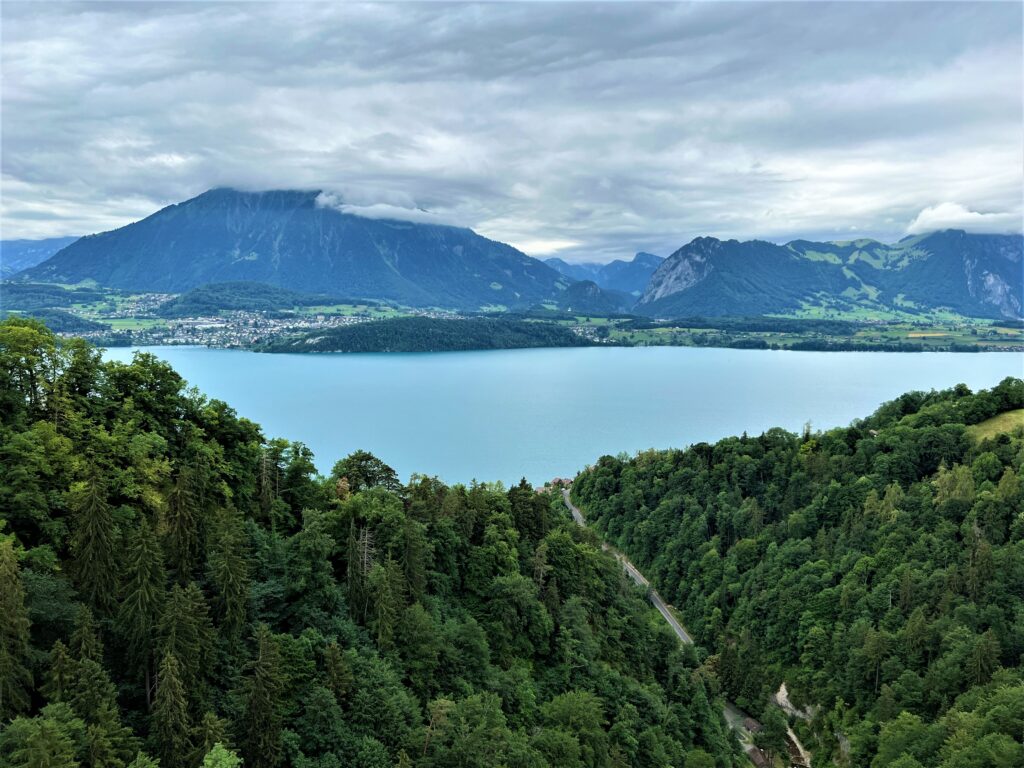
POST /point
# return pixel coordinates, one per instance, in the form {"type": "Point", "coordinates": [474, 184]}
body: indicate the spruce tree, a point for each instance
{"type": "Point", "coordinates": [61, 675]}
{"type": "Point", "coordinates": [93, 542]}
{"type": "Point", "coordinates": [15, 675]}
{"type": "Point", "coordinates": [170, 729]}
{"type": "Point", "coordinates": [143, 595]}
{"type": "Point", "coordinates": [187, 634]}
{"type": "Point", "coordinates": [261, 720]}
{"type": "Point", "coordinates": [228, 570]}
{"type": "Point", "coordinates": [85, 639]}
{"type": "Point", "coordinates": [180, 527]}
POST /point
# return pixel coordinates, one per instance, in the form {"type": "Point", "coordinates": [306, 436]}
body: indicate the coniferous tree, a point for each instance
{"type": "Point", "coordinates": [61, 674]}
{"type": "Point", "coordinates": [15, 675]}
{"type": "Point", "coordinates": [260, 727]}
{"type": "Point", "coordinates": [187, 634]}
{"type": "Point", "coordinates": [180, 525]}
{"type": "Point", "coordinates": [85, 639]}
{"type": "Point", "coordinates": [142, 600]}
{"type": "Point", "coordinates": [93, 542]}
{"type": "Point", "coordinates": [210, 732]}
{"type": "Point", "coordinates": [170, 728]}
{"type": "Point", "coordinates": [229, 572]}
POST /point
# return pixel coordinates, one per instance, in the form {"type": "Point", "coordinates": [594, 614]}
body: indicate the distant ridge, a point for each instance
{"type": "Point", "coordinates": [972, 274]}
{"type": "Point", "coordinates": [623, 276]}
{"type": "Point", "coordinates": [18, 255]}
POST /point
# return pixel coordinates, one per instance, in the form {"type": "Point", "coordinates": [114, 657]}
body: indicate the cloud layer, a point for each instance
{"type": "Point", "coordinates": [593, 130]}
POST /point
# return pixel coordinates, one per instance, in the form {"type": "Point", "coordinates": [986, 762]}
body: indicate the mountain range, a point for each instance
{"type": "Point", "coordinates": [288, 239]}
{"type": "Point", "coordinates": [19, 255]}
{"type": "Point", "coordinates": [971, 274]}
{"type": "Point", "coordinates": [630, 277]}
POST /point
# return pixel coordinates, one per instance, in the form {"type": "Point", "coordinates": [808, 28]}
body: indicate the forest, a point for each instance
{"type": "Point", "coordinates": [179, 590]}
{"type": "Point", "coordinates": [877, 570]}
{"type": "Point", "coordinates": [426, 334]}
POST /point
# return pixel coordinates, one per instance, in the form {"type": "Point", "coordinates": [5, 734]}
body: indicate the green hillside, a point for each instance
{"type": "Point", "coordinates": [175, 586]}
{"type": "Point", "coordinates": [876, 570]}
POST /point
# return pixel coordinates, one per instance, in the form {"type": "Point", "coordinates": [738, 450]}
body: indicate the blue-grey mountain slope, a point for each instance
{"type": "Point", "coordinates": [971, 274]}
{"type": "Point", "coordinates": [624, 276]}
{"type": "Point", "coordinates": [285, 238]}
{"type": "Point", "coordinates": [18, 255]}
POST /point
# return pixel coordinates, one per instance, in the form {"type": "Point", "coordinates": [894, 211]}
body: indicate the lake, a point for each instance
{"type": "Point", "coordinates": [542, 413]}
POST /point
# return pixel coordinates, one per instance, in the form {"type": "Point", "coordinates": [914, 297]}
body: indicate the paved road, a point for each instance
{"type": "Point", "coordinates": [735, 717]}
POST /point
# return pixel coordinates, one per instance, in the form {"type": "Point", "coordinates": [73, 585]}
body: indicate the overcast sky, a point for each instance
{"type": "Point", "coordinates": [589, 131]}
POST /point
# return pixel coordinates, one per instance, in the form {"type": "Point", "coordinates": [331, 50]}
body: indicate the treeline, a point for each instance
{"type": "Point", "coordinates": [239, 296]}
{"type": "Point", "coordinates": [425, 334]}
{"type": "Point", "coordinates": [60, 321]}
{"type": "Point", "coordinates": [177, 590]}
{"type": "Point", "coordinates": [877, 570]}
{"type": "Point", "coordinates": [753, 325]}
{"type": "Point", "coordinates": [32, 296]}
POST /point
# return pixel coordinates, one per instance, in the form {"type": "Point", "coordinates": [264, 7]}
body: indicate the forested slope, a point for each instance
{"type": "Point", "coordinates": [877, 570]}
{"type": "Point", "coordinates": [171, 580]}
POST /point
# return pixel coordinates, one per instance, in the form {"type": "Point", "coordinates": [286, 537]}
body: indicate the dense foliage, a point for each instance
{"type": "Point", "coordinates": [426, 334]}
{"type": "Point", "coordinates": [30, 296]}
{"type": "Point", "coordinates": [251, 297]}
{"type": "Point", "coordinates": [877, 570]}
{"type": "Point", "coordinates": [175, 587]}
{"type": "Point", "coordinates": [60, 321]}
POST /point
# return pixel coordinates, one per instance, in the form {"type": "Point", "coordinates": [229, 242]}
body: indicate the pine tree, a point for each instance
{"type": "Point", "coordinates": [339, 673]}
{"type": "Point", "coordinates": [261, 719]}
{"type": "Point", "coordinates": [15, 675]}
{"type": "Point", "coordinates": [85, 639]}
{"type": "Point", "coordinates": [187, 634]}
{"type": "Point", "coordinates": [46, 746]}
{"type": "Point", "coordinates": [210, 732]}
{"type": "Point", "coordinates": [180, 526]}
{"type": "Point", "coordinates": [93, 542]}
{"type": "Point", "coordinates": [170, 729]}
{"type": "Point", "coordinates": [228, 570]}
{"type": "Point", "coordinates": [387, 585]}
{"type": "Point", "coordinates": [142, 600]}
{"type": "Point", "coordinates": [61, 675]}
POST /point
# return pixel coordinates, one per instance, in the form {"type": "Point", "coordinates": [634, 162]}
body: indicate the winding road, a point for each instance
{"type": "Point", "coordinates": [736, 718]}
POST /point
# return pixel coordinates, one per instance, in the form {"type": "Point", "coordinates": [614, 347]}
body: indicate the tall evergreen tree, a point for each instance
{"type": "Point", "coordinates": [61, 675]}
{"type": "Point", "coordinates": [85, 639]}
{"type": "Point", "coordinates": [142, 599]}
{"type": "Point", "coordinates": [170, 729]}
{"type": "Point", "coordinates": [260, 727]}
{"type": "Point", "coordinates": [187, 634]}
{"type": "Point", "coordinates": [180, 525]}
{"type": "Point", "coordinates": [15, 674]}
{"type": "Point", "coordinates": [93, 542]}
{"type": "Point", "coordinates": [228, 570]}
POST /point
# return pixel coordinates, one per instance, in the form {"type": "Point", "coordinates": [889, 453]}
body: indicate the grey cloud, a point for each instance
{"type": "Point", "coordinates": [591, 130]}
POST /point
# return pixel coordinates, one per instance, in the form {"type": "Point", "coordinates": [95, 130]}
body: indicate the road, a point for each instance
{"type": "Point", "coordinates": [736, 718]}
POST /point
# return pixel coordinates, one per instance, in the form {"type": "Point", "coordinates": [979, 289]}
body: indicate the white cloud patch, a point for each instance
{"type": "Point", "coordinates": [956, 216]}
{"type": "Point", "coordinates": [593, 130]}
{"type": "Point", "coordinates": [386, 211]}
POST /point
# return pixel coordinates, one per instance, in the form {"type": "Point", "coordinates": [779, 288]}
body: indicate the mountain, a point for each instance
{"type": "Point", "coordinates": [624, 276]}
{"type": "Point", "coordinates": [18, 255]}
{"type": "Point", "coordinates": [586, 296]}
{"type": "Point", "coordinates": [287, 239]}
{"type": "Point", "coordinates": [975, 275]}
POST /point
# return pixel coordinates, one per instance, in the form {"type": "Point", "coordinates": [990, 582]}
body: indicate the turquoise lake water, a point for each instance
{"type": "Point", "coordinates": [542, 413]}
